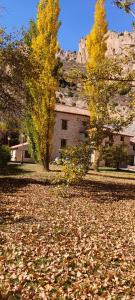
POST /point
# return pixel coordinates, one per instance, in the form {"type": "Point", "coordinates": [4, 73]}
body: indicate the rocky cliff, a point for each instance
{"type": "Point", "coordinates": [117, 44]}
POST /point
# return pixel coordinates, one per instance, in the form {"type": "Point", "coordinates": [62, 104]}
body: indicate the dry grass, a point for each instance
{"type": "Point", "coordinates": [75, 243]}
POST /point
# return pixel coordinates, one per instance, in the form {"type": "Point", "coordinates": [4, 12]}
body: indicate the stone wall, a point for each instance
{"type": "Point", "coordinates": [76, 130]}
{"type": "Point", "coordinates": [74, 133]}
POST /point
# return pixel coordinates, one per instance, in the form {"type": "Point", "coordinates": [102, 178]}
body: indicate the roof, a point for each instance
{"type": "Point", "coordinates": [19, 145]}
{"type": "Point", "coordinates": [124, 134]}
{"type": "Point", "coordinates": [71, 110]}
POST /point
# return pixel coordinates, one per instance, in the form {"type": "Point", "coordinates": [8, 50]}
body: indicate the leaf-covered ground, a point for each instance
{"type": "Point", "coordinates": [76, 243]}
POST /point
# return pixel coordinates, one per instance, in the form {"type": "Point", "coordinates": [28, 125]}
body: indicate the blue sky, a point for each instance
{"type": "Point", "coordinates": [76, 17]}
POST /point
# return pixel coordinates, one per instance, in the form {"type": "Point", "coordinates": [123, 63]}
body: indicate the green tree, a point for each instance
{"type": "Point", "coordinates": [28, 125]}
{"type": "Point", "coordinates": [44, 81]}
{"type": "Point", "coordinates": [116, 156]}
{"type": "Point", "coordinates": [30, 130]}
{"type": "Point", "coordinates": [4, 155]}
{"type": "Point", "coordinates": [14, 64]}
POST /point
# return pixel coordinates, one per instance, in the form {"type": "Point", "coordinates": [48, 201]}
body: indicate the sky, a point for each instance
{"type": "Point", "coordinates": [76, 17]}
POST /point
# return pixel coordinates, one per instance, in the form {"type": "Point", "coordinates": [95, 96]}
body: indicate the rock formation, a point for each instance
{"type": "Point", "coordinates": [117, 44]}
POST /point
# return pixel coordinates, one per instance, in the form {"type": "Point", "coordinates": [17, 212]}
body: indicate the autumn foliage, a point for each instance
{"type": "Point", "coordinates": [43, 84]}
{"type": "Point", "coordinates": [96, 43]}
{"type": "Point", "coordinates": [104, 79]}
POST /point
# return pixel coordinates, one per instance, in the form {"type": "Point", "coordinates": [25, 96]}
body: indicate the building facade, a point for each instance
{"type": "Point", "coordinates": [70, 129]}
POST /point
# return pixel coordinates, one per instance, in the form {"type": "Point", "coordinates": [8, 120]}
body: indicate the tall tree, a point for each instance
{"type": "Point", "coordinates": [96, 43]}
{"type": "Point", "coordinates": [13, 66]}
{"type": "Point", "coordinates": [43, 84]}
{"type": "Point", "coordinates": [103, 81]}
{"type": "Point", "coordinates": [96, 47]}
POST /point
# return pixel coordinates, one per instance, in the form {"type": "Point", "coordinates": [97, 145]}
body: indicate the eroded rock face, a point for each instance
{"type": "Point", "coordinates": [117, 44]}
{"type": "Point", "coordinates": [67, 55]}
{"type": "Point", "coordinates": [120, 43]}
{"type": "Point", "coordinates": [82, 53]}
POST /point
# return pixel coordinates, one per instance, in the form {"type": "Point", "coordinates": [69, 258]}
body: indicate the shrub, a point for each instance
{"type": "Point", "coordinates": [4, 155]}
{"type": "Point", "coordinates": [76, 162]}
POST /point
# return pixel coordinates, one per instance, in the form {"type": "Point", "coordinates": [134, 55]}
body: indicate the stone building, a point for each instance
{"type": "Point", "coordinates": [20, 153]}
{"type": "Point", "coordinates": [70, 129]}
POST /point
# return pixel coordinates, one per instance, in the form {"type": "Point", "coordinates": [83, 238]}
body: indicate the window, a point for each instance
{"type": "Point", "coordinates": [63, 143]}
{"type": "Point", "coordinates": [26, 154]}
{"type": "Point", "coordinates": [111, 140]}
{"type": "Point", "coordinates": [64, 124]}
{"type": "Point", "coordinates": [122, 138]}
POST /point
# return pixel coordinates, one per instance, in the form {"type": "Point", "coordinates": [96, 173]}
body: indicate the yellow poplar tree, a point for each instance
{"type": "Point", "coordinates": [96, 48]}
{"type": "Point", "coordinates": [44, 83]}
{"type": "Point", "coordinates": [103, 81]}
{"type": "Point", "coordinates": [96, 43]}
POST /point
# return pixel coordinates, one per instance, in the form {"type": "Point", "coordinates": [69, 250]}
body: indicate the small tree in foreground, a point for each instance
{"type": "Point", "coordinates": [76, 162]}
{"type": "Point", "coordinates": [115, 156]}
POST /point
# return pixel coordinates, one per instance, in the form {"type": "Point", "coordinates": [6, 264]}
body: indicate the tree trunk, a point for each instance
{"type": "Point", "coordinates": [118, 166]}
{"type": "Point", "coordinates": [47, 158]}
{"type": "Point", "coordinates": [97, 160]}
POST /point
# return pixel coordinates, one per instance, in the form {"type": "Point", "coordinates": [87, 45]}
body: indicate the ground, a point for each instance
{"type": "Point", "coordinates": [67, 243]}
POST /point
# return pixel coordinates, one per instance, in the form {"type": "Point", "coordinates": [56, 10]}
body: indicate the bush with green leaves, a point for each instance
{"type": "Point", "coordinates": [115, 156]}
{"type": "Point", "coordinates": [4, 155]}
{"type": "Point", "coordinates": [76, 162]}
